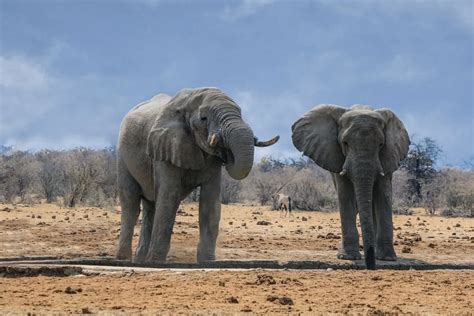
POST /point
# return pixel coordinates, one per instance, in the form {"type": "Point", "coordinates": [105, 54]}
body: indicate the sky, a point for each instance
{"type": "Point", "coordinates": [70, 70]}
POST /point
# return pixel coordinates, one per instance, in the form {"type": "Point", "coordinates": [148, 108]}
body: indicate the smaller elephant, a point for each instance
{"type": "Point", "coordinates": [282, 203]}
{"type": "Point", "coordinates": [362, 147]}
{"type": "Point", "coordinates": [167, 147]}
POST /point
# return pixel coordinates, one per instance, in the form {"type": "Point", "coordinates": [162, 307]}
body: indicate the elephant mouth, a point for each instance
{"type": "Point", "coordinates": [225, 156]}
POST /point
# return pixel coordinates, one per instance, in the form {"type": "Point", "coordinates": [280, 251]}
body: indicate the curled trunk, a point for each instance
{"type": "Point", "coordinates": [239, 139]}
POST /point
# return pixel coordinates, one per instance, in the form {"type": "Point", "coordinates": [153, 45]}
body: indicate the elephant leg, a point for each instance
{"type": "Point", "coordinates": [148, 215]}
{"type": "Point", "coordinates": [129, 196]}
{"type": "Point", "coordinates": [168, 198]}
{"type": "Point", "coordinates": [349, 249]}
{"type": "Point", "coordinates": [384, 249]}
{"type": "Point", "coordinates": [209, 218]}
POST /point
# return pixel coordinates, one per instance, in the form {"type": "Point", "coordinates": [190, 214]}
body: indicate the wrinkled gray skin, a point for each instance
{"type": "Point", "coordinates": [166, 148]}
{"type": "Point", "coordinates": [362, 147]}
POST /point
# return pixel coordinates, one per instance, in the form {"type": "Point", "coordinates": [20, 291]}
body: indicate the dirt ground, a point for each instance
{"type": "Point", "coordinates": [45, 230]}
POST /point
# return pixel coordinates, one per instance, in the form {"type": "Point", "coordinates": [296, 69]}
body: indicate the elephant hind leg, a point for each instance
{"type": "Point", "coordinates": [148, 216]}
{"type": "Point", "coordinates": [129, 195]}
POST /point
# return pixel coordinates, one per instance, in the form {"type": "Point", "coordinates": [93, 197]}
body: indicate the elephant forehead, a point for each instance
{"type": "Point", "coordinates": [362, 117]}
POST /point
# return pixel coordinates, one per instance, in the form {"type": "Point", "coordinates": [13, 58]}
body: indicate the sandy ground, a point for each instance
{"type": "Point", "coordinates": [92, 232]}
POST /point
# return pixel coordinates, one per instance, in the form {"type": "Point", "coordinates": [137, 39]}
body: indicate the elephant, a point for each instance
{"type": "Point", "coordinates": [166, 148]}
{"type": "Point", "coordinates": [361, 147]}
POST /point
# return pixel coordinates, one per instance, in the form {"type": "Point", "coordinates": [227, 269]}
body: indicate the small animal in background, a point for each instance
{"type": "Point", "coordinates": [283, 203]}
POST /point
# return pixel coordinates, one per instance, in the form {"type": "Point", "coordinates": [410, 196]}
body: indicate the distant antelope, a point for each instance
{"type": "Point", "coordinates": [283, 203]}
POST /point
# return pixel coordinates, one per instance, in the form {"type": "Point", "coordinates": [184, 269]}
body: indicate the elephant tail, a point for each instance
{"type": "Point", "coordinates": [289, 204]}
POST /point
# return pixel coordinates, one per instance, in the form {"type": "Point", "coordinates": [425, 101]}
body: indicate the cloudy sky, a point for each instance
{"type": "Point", "coordinates": [70, 70]}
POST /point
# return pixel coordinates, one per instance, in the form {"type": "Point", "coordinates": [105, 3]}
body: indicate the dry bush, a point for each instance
{"type": "Point", "coordinates": [49, 173]}
{"type": "Point", "coordinates": [230, 189]}
{"type": "Point", "coordinates": [402, 199]}
{"type": "Point", "coordinates": [311, 190]}
{"type": "Point", "coordinates": [17, 176]}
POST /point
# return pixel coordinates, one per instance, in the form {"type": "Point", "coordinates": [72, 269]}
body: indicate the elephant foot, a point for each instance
{"type": "Point", "coordinates": [386, 253]}
{"type": "Point", "coordinates": [205, 256]}
{"type": "Point", "coordinates": [348, 254]}
{"type": "Point", "coordinates": [124, 255]}
{"type": "Point", "coordinates": [140, 256]}
{"type": "Point", "coordinates": [156, 258]}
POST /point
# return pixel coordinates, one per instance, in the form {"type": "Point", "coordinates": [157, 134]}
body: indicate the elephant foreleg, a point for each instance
{"type": "Point", "coordinates": [348, 211]}
{"type": "Point", "coordinates": [148, 215]}
{"type": "Point", "coordinates": [129, 195]}
{"type": "Point", "coordinates": [209, 217]}
{"type": "Point", "coordinates": [384, 249]}
{"type": "Point", "coordinates": [167, 201]}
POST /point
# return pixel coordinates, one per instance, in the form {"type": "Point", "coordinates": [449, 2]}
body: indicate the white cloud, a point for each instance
{"type": "Point", "coordinates": [244, 9]}
{"type": "Point", "coordinates": [461, 12]}
{"type": "Point", "coordinates": [24, 92]}
{"type": "Point", "coordinates": [17, 72]}
{"type": "Point", "coordinates": [402, 69]}
{"type": "Point", "coordinates": [39, 109]}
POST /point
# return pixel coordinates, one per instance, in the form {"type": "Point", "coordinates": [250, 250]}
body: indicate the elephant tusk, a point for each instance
{"type": "Point", "coordinates": [382, 174]}
{"type": "Point", "coordinates": [343, 172]}
{"type": "Point", "coordinates": [267, 143]}
{"type": "Point", "coordinates": [214, 140]}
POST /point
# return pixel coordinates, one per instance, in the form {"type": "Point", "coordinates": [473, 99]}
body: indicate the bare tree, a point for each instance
{"type": "Point", "coordinates": [420, 164]}
{"type": "Point", "coordinates": [78, 171]}
{"type": "Point", "coordinates": [49, 173]}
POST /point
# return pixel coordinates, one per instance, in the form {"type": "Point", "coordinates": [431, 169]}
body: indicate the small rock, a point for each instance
{"type": "Point", "coordinates": [222, 283]}
{"type": "Point", "coordinates": [265, 279]}
{"type": "Point", "coordinates": [304, 219]}
{"type": "Point", "coordinates": [246, 309]}
{"type": "Point", "coordinates": [264, 223]}
{"type": "Point", "coordinates": [431, 245]}
{"type": "Point", "coordinates": [283, 300]}
{"type": "Point", "coordinates": [86, 216]}
{"type": "Point", "coordinates": [86, 310]}
{"type": "Point", "coordinates": [406, 249]}
{"type": "Point", "coordinates": [230, 223]}
{"type": "Point", "coordinates": [39, 216]}
{"type": "Point", "coordinates": [70, 290]}
{"type": "Point", "coordinates": [53, 217]}
{"type": "Point", "coordinates": [66, 218]}
{"type": "Point", "coordinates": [232, 300]}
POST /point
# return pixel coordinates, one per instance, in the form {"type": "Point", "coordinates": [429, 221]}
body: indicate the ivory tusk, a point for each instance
{"type": "Point", "coordinates": [267, 143]}
{"type": "Point", "coordinates": [214, 140]}
{"type": "Point", "coordinates": [382, 174]}
{"type": "Point", "coordinates": [343, 172]}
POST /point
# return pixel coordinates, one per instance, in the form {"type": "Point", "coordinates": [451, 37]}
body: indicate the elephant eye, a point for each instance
{"type": "Point", "coordinates": [203, 118]}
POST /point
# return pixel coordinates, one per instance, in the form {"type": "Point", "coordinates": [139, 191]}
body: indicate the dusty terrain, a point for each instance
{"type": "Point", "coordinates": [45, 230]}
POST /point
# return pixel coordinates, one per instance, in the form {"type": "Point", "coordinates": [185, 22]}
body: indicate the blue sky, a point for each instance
{"type": "Point", "coordinates": [70, 70]}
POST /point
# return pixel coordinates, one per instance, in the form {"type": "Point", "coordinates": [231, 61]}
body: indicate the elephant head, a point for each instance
{"type": "Point", "coordinates": [201, 122]}
{"type": "Point", "coordinates": [359, 143]}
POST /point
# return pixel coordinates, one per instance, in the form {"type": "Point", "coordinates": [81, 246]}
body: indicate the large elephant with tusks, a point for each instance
{"type": "Point", "coordinates": [166, 148]}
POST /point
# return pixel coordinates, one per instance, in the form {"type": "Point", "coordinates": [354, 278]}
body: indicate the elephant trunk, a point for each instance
{"type": "Point", "coordinates": [363, 181]}
{"type": "Point", "coordinates": [239, 139]}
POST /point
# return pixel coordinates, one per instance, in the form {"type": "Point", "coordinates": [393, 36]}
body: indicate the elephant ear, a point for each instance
{"type": "Point", "coordinates": [316, 135]}
{"type": "Point", "coordinates": [172, 141]}
{"type": "Point", "coordinates": [397, 141]}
